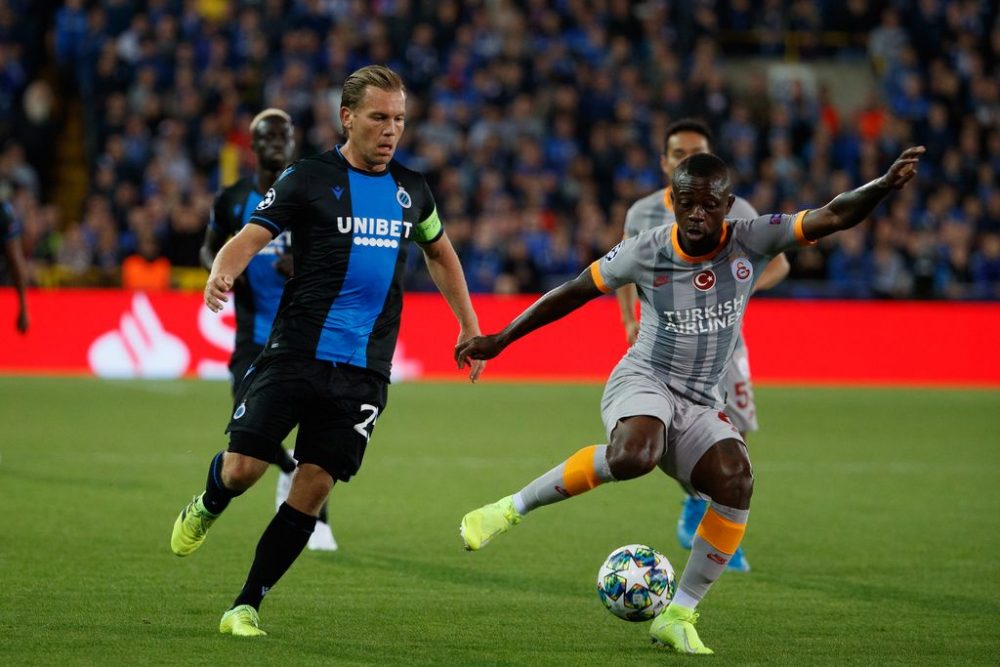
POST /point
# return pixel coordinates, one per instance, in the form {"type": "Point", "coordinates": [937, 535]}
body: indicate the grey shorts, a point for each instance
{"type": "Point", "coordinates": [691, 428]}
{"type": "Point", "coordinates": [736, 383]}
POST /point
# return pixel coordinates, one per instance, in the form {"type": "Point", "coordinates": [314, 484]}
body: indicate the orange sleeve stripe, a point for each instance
{"type": "Point", "coordinates": [579, 475]}
{"type": "Point", "coordinates": [800, 234]}
{"type": "Point", "coordinates": [720, 532]}
{"type": "Point", "coordinates": [595, 273]}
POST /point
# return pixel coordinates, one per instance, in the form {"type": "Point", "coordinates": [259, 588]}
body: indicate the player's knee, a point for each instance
{"type": "Point", "coordinates": [239, 472]}
{"type": "Point", "coordinates": [736, 482]}
{"type": "Point", "coordinates": [742, 482]}
{"type": "Point", "coordinates": [635, 456]}
{"type": "Point", "coordinates": [310, 489]}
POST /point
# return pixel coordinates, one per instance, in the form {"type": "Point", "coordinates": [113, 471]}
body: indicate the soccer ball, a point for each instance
{"type": "Point", "coordinates": [636, 582]}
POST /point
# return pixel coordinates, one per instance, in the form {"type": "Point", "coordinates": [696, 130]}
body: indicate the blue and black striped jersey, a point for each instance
{"type": "Point", "coordinates": [350, 233]}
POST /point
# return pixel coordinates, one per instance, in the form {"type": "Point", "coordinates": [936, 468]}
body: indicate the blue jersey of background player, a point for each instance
{"type": "Point", "coordinates": [257, 292]}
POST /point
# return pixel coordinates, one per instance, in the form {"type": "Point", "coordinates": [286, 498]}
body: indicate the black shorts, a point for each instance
{"type": "Point", "coordinates": [243, 357]}
{"type": "Point", "coordinates": [334, 406]}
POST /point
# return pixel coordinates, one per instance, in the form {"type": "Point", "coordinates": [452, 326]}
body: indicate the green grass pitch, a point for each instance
{"type": "Point", "coordinates": [874, 534]}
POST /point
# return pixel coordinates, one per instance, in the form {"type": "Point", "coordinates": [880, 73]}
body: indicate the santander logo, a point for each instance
{"type": "Point", "coordinates": [139, 348]}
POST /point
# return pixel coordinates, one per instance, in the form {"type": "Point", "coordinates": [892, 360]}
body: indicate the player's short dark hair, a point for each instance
{"type": "Point", "coordinates": [687, 125]}
{"type": "Point", "coordinates": [377, 76]}
{"type": "Point", "coordinates": [703, 165]}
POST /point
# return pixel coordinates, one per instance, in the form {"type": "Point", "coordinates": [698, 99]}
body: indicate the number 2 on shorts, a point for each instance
{"type": "Point", "coordinates": [363, 427]}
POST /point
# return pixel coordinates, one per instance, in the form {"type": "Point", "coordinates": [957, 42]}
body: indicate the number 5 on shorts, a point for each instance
{"type": "Point", "coordinates": [365, 427]}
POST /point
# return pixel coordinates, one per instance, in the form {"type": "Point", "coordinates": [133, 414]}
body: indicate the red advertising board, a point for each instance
{"type": "Point", "coordinates": [110, 333]}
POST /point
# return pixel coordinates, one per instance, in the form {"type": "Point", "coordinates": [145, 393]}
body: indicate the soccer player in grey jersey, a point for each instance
{"type": "Point", "coordinates": [661, 405]}
{"type": "Point", "coordinates": [685, 137]}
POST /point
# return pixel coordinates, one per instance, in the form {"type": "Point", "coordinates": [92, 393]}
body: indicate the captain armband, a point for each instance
{"type": "Point", "coordinates": [429, 229]}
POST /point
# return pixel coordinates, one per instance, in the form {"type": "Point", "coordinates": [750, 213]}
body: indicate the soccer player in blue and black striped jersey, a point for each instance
{"type": "Point", "coordinates": [353, 212]}
{"type": "Point", "coordinates": [257, 292]}
{"type": "Point", "coordinates": [10, 236]}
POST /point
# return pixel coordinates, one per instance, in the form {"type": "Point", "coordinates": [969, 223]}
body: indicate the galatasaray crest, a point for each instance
{"type": "Point", "coordinates": [742, 269]}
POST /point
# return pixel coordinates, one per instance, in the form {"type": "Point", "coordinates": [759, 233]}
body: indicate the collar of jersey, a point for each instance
{"type": "Point", "coordinates": [360, 171]}
{"type": "Point", "coordinates": [666, 200]}
{"type": "Point", "coordinates": [701, 258]}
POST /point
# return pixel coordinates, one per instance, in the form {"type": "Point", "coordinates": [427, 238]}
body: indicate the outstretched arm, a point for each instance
{"type": "Point", "coordinates": [556, 304]}
{"type": "Point", "coordinates": [850, 208]}
{"type": "Point", "coordinates": [446, 272]}
{"type": "Point", "coordinates": [231, 261]}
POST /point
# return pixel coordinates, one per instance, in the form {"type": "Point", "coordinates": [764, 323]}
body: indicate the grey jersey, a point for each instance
{"type": "Point", "coordinates": [655, 210]}
{"type": "Point", "coordinates": [692, 307]}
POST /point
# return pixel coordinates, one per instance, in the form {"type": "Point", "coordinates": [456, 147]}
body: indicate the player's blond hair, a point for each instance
{"type": "Point", "coordinates": [377, 76]}
{"type": "Point", "coordinates": [273, 112]}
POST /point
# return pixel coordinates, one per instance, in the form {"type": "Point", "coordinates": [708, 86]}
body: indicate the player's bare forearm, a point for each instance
{"type": "Point", "coordinates": [554, 305]}
{"type": "Point", "coordinates": [206, 255]}
{"type": "Point", "coordinates": [230, 262]}
{"type": "Point", "coordinates": [775, 271]}
{"type": "Point", "coordinates": [627, 296]}
{"type": "Point", "coordinates": [18, 267]}
{"type": "Point", "coordinates": [850, 208]}
{"type": "Point", "coordinates": [19, 276]}
{"type": "Point", "coordinates": [210, 248]}
{"type": "Point", "coordinates": [446, 272]}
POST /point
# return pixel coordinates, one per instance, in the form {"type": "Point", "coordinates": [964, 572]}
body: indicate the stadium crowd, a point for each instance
{"type": "Point", "coordinates": [537, 123]}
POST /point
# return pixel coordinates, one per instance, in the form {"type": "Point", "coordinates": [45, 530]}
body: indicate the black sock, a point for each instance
{"type": "Point", "coordinates": [323, 516]}
{"type": "Point", "coordinates": [285, 461]}
{"type": "Point", "coordinates": [217, 496]}
{"type": "Point", "coordinates": [282, 542]}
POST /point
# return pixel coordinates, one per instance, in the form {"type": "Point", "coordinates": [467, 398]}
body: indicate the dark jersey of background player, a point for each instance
{"type": "Point", "coordinates": [257, 295]}
{"type": "Point", "coordinates": [10, 236]}
{"type": "Point", "coordinates": [350, 230]}
{"type": "Point", "coordinates": [258, 291]}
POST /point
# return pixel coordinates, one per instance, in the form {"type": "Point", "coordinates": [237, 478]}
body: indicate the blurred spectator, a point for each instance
{"type": "Point", "coordinates": [534, 125]}
{"type": "Point", "coordinates": [850, 267]}
{"type": "Point", "coordinates": [146, 269]}
{"type": "Point", "coordinates": [985, 268]}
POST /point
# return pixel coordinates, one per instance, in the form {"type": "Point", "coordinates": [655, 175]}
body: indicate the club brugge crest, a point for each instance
{"type": "Point", "coordinates": [704, 280]}
{"type": "Point", "coordinates": [403, 197]}
{"type": "Point", "coordinates": [742, 269]}
{"type": "Point", "coordinates": [267, 200]}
